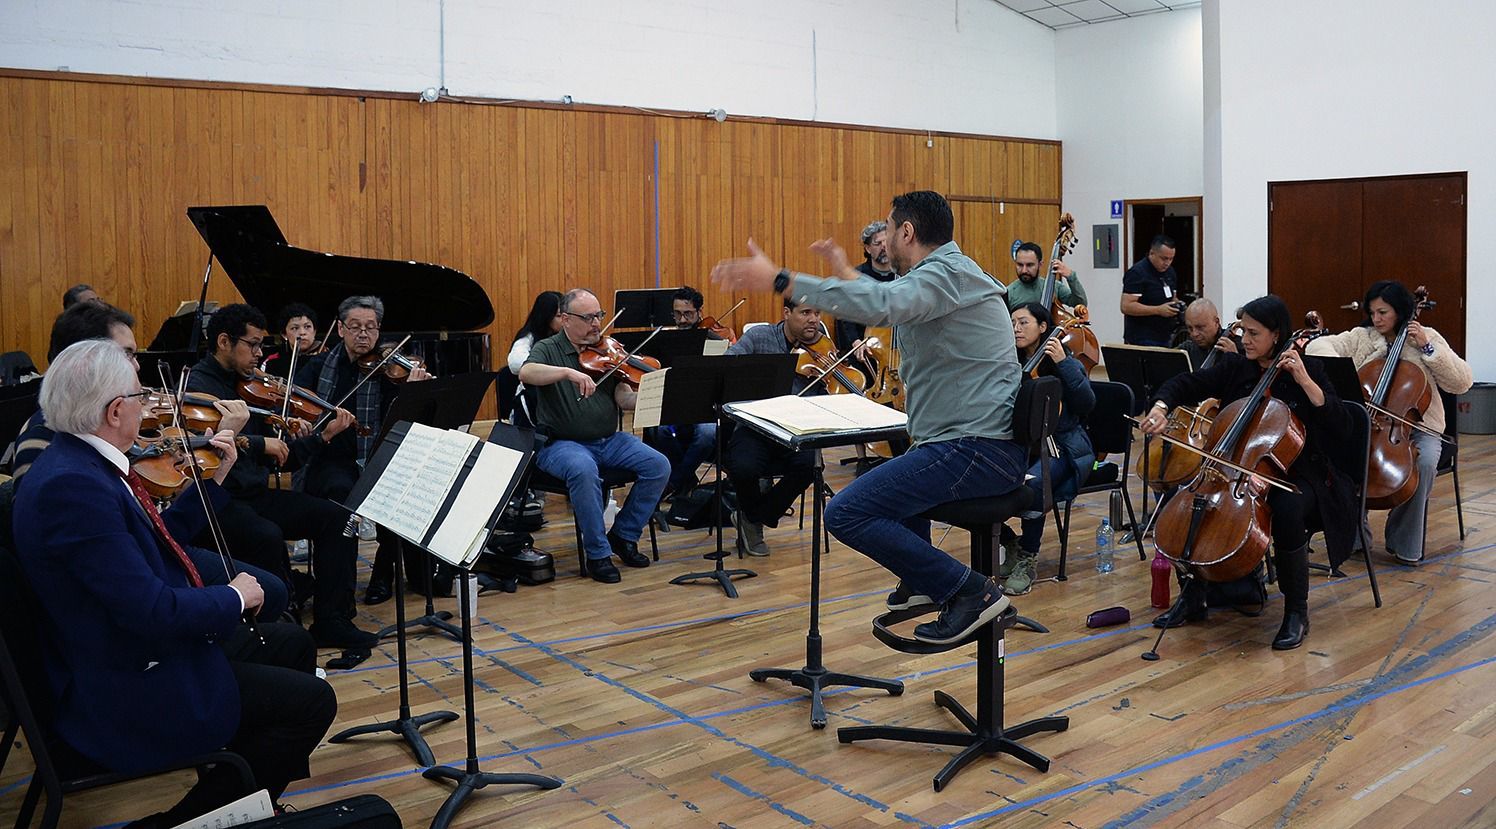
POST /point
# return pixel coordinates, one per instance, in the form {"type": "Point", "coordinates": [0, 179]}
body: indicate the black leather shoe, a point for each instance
{"type": "Point", "coordinates": [341, 634]}
{"type": "Point", "coordinates": [1190, 608]}
{"type": "Point", "coordinates": [378, 592]}
{"type": "Point", "coordinates": [603, 570]}
{"type": "Point", "coordinates": [964, 613]}
{"type": "Point", "coordinates": [627, 552]}
{"type": "Point", "coordinates": [1291, 634]}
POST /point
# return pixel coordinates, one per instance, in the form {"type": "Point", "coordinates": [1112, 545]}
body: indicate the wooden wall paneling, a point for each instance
{"type": "Point", "coordinates": [757, 196]}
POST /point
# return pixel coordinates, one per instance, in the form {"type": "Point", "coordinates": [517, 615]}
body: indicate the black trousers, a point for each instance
{"type": "Point", "coordinates": [333, 480]}
{"type": "Point", "coordinates": [257, 528]}
{"type": "Point", "coordinates": [285, 711]}
{"type": "Point", "coordinates": [749, 458]}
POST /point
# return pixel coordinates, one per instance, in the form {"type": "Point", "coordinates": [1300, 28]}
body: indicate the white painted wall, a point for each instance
{"type": "Point", "coordinates": [1339, 89]}
{"type": "Point", "coordinates": [955, 65]}
{"type": "Point", "coordinates": [1129, 112]}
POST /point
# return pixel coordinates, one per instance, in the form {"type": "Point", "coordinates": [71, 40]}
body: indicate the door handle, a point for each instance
{"type": "Point", "coordinates": [1353, 306]}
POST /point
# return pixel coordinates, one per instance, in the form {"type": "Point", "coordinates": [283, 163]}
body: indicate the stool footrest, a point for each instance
{"type": "Point", "coordinates": [1007, 619]}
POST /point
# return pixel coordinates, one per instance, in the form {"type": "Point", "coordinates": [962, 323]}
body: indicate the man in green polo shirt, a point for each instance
{"type": "Point", "coordinates": [579, 419]}
{"type": "Point", "coordinates": [1029, 286]}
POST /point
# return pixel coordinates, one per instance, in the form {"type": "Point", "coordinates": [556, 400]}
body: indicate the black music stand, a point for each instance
{"type": "Point", "coordinates": [1343, 377]}
{"type": "Point", "coordinates": [445, 403]}
{"type": "Point", "coordinates": [644, 308]}
{"type": "Point", "coordinates": [666, 345]}
{"type": "Point", "coordinates": [695, 390]}
{"type": "Point", "coordinates": [1143, 368]}
{"type": "Point", "coordinates": [470, 778]}
{"type": "Point", "coordinates": [814, 676]}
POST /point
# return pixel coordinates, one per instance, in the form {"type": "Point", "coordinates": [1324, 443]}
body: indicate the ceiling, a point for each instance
{"type": "Point", "coordinates": [1064, 14]}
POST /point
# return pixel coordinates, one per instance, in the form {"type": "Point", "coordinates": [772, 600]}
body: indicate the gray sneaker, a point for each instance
{"type": "Point", "coordinates": [1021, 580]}
{"type": "Point", "coordinates": [750, 536]}
{"type": "Point", "coordinates": [1009, 553]}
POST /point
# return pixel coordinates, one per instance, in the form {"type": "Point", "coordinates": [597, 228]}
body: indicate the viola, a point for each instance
{"type": "Point", "coordinates": [1218, 526]}
{"type": "Point", "coordinates": [609, 357]}
{"type": "Point", "coordinates": [197, 414]}
{"type": "Point", "coordinates": [388, 359]}
{"type": "Point", "coordinates": [165, 463]}
{"type": "Point", "coordinates": [819, 360]}
{"type": "Point", "coordinates": [269, 392]}
{"type": "Point", "coordinates": [1085, 347]}
{"type": "Point", "coordinates": [717, 328]}
{"type": "Point", "coordinates": [1398, 393]}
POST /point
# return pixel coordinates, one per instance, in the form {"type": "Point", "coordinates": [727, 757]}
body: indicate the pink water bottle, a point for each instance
{"type": "Point", "coordinates": [1162, 572]}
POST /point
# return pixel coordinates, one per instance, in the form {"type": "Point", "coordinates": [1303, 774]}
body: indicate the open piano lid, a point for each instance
{"type": "Point", "coordinates": [270, 273]}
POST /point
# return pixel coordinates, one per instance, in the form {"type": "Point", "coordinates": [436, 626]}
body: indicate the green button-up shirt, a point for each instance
{"type": "Point", "coordinates": [958, 361]}
{"type": "Point", "coordinates": [559, 413]}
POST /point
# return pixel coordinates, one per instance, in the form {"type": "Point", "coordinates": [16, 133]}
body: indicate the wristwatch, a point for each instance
{"type": "Point", "coordinates": [1427, 349]}
{"type": "Point", "coordinates": [782, 280]}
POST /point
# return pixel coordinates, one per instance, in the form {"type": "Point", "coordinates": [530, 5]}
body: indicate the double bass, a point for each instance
{"type": "Point", "coordinates": [1082, 340]}
{"type": "Point", "coordinates": [1397, 395]}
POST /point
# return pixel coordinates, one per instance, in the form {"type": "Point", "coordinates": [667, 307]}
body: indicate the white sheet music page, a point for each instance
{"type": "Point", "coordinates": [824, 413]}
{"type": "Point", "coordinates": [247, 809]}
{"type": "Point", "coordinates": [414, 485]}
{"type": "Point", "coordinates": [651, 398]}
{"type": "Point", "coordinates": [464, 529]}
{"type": "Point", "coordinates": [714, 348]}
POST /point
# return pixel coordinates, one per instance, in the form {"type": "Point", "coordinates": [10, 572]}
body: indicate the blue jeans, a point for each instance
{"type": "Point", "coordinates": [1062, 484]}
{"type": "Point", "coordinates": [877, 514]}
{"type": "Point", "coordinates": [686, 447]}
{"type": "Point", "coordinates": [577, 463]}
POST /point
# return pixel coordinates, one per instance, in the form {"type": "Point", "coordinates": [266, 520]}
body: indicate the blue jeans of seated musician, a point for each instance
{"type": "Point", "coordinates": [686, 447]}
{"type": "Point", "coordinates": [877, 514]}
{"type": "Point", "coordinates": [577, 463]}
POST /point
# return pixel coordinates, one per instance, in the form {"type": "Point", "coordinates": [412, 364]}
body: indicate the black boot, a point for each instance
{"type": "Point", "coordinates": [1293, 580]}
{"type": "Point", "coordinates": [1189, 608]}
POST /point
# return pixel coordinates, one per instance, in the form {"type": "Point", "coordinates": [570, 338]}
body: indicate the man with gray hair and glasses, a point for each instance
{"type": "Point", "coordinates": [875, 265]}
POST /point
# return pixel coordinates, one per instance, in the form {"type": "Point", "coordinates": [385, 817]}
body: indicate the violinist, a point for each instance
{"type": "Point", "coordinates": [1389, 306]}
{"type": "Point", "coordinates": [578, 415]}
{"type": "Point", "coordinates": [686, 446]}
{"type": "Point", "coordinates": [1072, 464]}
{"type": "Point", "coordinates": [1028, 286]}
{"type": "Point", "coordinates": [1202, 322]}
{"type": "Point", "coordinates": [1325, 497]}
{"type": "Point", "coordinates": [258, 519]}
{"type": "Point", "coordinates": [331, 376]}
{"type": "Point", "coordinates": [297, 324]}
{"type": "Point", "coordinates": [139, 645]}
{"type": "Point", "coordinates": [749, 459]}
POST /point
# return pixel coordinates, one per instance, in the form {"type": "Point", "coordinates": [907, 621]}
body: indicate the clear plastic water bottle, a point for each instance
{"type": "Point", "coordinates": [1104, 562]}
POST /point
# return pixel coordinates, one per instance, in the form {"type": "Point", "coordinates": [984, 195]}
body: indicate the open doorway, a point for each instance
{"type": "Point", "coordinates": [1178, 218]}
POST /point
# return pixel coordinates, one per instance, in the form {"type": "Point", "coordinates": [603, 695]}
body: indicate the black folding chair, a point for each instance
{"type": "Point", "coordinates": [1110, 432]}
{"type": "Point", "coordinates": [1449, 458]}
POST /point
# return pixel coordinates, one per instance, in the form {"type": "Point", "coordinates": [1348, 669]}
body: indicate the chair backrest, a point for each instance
{"type": "Point", "coordinates": [1353, 453]}
{"type": "Point", "coordinates": [508, 390]}
{"type": "Point", "coordinates": [23, 684]}
{"type": "Point", "coordinates": [1036, 410]}
{"type": "Point", "coordinates": [14, 365]}
{"type": "Point", "coordinates": [1108, 427]}
{"type": "Point", "coordinates": [1449, 452]}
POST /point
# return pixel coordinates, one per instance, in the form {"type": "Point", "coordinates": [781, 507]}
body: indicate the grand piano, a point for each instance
{"type": "Point", "coordinates": [440, 307]}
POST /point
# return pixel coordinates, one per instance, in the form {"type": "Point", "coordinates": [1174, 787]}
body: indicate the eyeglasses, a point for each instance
{"type": "Point", "coordinates": [361, 329]}
{"type": "Point", "coordinates": [143, 393]}
{"type": "Point", "coordinates": [683, 314]}
{"type": "Point", "coordinates": [254, 345]}
{"type": "Point", "coordinates": [594, 317]}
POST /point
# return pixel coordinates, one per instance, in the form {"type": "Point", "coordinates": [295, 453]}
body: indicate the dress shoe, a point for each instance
{"type": "Point", "coordinates": [966, 611]}
{"type": "Point", "coordinates": [378, 592]}
{"type": "Point", "coordinates": [603, 570]}
{"type": "Point", "coordinates": [1189, 608]}
{"type": "Point", "coordinates": [1293, 630]}
{"type": "Point", "coordinates": [627, 552]}
{"type": "Point", "coordinates": [341, 634]}
{"type": "Point", "coordinates": [903, 597]}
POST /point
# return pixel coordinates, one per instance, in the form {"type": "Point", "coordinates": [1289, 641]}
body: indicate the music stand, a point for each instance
{"type": "Point", "coordinates": [445, 403]}
{"type": "Point", "coordinates": [646, 308]}
{"type": "Point", "coordinates": [1143, 368]}
{"type": "Point", "coordinates": [667, 345]}
{"type": "Point", "coordinates": [695, 390]}
{"type": "Point", "coordinates": [1343, 377]}
{"type": "Point", "coordinates": [814, 676]}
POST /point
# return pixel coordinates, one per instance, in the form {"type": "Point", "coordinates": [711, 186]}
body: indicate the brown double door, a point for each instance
{"type": "Point", "coordinates": [1328, 241]}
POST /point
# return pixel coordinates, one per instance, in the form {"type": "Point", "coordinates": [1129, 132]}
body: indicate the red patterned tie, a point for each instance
{"type": "Point", "coordinates": [137, 486]}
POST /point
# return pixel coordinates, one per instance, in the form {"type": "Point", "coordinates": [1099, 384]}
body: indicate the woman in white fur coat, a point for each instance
{"type": "Point", "coordinates": [1388, 304]}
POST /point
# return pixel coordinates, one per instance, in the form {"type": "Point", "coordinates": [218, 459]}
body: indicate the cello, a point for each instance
{"type": "Point", "coordinates": [1084, 345]}
{"type": "Point", "coordinates": [1397, 394]}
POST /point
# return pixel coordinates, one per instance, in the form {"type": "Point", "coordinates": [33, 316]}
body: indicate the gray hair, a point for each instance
{"type": "Point", "coordinates": [571, 296]}
{"type": "Point", "coordinates": [373, 303]}
{"type": "Point", "coordinates": [873, 230]}
{"type": "Point", "coordinates": [81, 383]}
{"type": "Point", "coordinates": [1203, 306]}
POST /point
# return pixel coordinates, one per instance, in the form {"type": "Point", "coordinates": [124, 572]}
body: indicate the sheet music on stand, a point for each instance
{"type": "Point", "coordinates": [789, 416]}
{"type": "Point", "coordinates": [438, 488]}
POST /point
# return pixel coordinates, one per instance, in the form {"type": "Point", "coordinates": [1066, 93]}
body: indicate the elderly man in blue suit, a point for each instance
{"type": "Point", "coordinates": [136, 649]}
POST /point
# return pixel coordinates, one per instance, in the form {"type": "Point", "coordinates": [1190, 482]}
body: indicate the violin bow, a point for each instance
{"type": "Point", "coordinates": [356, 386]}
{"type": "Point", "coordinates": [627, 355]}
{"type": "Point", "coordinates": [214, 528]}
{"type": "Point", "coordinates": [1210, 456]}
{"type": "Point", "coordinates": [1408, 423]}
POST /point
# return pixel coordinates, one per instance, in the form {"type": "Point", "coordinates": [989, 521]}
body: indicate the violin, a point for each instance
{"type": "Point", "coordinates": [718, 329]}
{"type": "Point", "coordinates": [1397, 394]}
{"type": "Point", "coordinates": [165, 462]}
{"type": "Point", "coordinates": [396, 366]}
{"type": "Point", "coordinates": [1167, 465]}
{"type": "Point", "coordinates": [270, 393]}
{"type": "Point", "coordinates": [819, 361]}
{"type": "Point", "coordinates": [1218, 526]}
{"type": "Point", "coordinates": [609, 357]}
{"type": "Point", "coordinates": [197, 414]}
{"type": "Point", "coordinates": [1085, 347]}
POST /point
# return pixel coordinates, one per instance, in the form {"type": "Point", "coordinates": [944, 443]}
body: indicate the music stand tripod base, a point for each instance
{"type": "Point", "coordinates": [432, 618]}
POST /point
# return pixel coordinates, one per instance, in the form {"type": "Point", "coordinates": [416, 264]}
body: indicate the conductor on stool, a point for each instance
{"type": "Point", "coordinates": [961, 376]}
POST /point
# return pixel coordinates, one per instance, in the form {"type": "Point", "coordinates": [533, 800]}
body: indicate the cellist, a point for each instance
{"type": "Point", "coordinates": [1388, 306]}
{"type": "Point", "coordinates": [1325, 494]}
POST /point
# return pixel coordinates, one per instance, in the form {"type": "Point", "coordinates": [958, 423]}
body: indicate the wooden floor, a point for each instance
{"type": "Point", "coordinates": [638, 696]}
